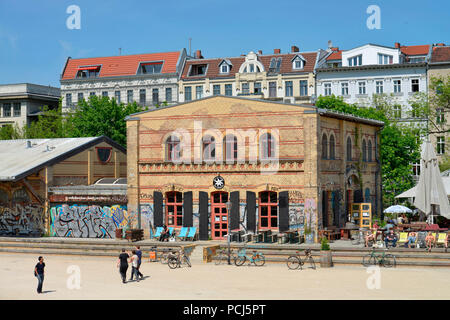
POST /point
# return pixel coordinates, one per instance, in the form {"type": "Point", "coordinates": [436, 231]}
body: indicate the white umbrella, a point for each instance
{"type": "Point", "coordinates": [398, 209]}
{"type": "Point", "coordinates": [430, 189]}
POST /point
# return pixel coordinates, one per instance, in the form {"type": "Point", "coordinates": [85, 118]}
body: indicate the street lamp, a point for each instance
{"type": "Point", "coordinates": [228, 205]}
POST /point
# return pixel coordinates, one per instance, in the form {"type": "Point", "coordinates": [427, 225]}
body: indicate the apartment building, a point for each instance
{"type": "Point", "coordinates": [149, 79]}
{"type": "Point", "coordinates": [278, 77]}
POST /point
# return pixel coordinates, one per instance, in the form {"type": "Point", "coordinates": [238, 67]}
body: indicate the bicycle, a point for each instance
{"type": "Point", "coordinates": [222, 256]}
{"type": "Point", "coordinates": [257, 258]}
{"type": "Point", "coordinates": [385, 260]}
{"type": "Point", "coordinates": [176, 260]}
{"type": "Point", "coordinates": [295, 261]}
{"type": "Point", "coordinates": [164, 256]}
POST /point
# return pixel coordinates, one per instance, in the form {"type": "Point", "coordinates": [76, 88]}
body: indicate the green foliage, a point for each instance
{"type": "Point", "coordinates": [324, 244]}
{"type": "Point", "coordinates": [102, 116]}
{"type": "Point", "coordinates": [399, 144]}
{"type": "Point", "coordinates": [9, 132]}
{"type": "Point", "coordinates": [50, 124]}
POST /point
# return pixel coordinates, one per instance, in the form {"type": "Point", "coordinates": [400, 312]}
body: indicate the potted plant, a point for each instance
{"type": "Point", "coordinates": [326, 258]}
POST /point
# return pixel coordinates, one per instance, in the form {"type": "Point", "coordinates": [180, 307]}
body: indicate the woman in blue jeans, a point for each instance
{"type": "Point", "coordinates": [39, 273]}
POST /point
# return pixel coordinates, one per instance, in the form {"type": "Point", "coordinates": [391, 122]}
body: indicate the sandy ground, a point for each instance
{"type": "Point", "coordinates": [100, 280]}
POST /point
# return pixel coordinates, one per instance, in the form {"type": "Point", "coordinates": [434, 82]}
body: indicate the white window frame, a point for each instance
{"type": "Point", "coordinates": [362, 85]}
{"type": "Point", "coordinates": [379, 86]}
{"type": "Point", "coordinates": [344, 87]}
{"type": "Point", "coordinates": [327, 89]}
{"type": "Point", "coordinates": [397, 86]}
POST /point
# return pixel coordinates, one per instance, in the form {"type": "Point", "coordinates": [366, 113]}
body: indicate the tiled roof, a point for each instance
{"type": "Point", "coordinates": [121, 65]}
{"type": "Point", "coordinates": [440, 54]}
{"type": "Point", "coordinates": [337, 55]}
{"type": "Point", "coordinates": [421, 50]}
{"type": "Point", "coordinates": [213, 64]}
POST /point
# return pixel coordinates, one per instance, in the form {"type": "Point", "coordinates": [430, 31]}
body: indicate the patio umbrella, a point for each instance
{"type": "Point", "coordinates": [430, 189]}
{"type": "Point", "coordinates": [398, 209]}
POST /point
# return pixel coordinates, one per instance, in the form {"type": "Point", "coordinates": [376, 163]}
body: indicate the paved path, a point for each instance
{"type": "Point", "coordinates": [100, 280]}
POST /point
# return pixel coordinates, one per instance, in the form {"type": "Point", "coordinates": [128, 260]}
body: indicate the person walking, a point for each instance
{"type": "Point", "coordinates": [122, 264]}
{"type": "Point", "coordinates": [134, 266]}
{"type": "Point", "coordinates": [139, 254]}
{"type": "Point", "coordinates": [39, 273]}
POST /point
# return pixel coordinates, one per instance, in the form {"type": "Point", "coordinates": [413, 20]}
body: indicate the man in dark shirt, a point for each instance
{"type": "Point", "coordinates": [139, 254]}
{"type": "Point", "coordinates": [39, 273]}
{"type": "Point", "coordinates": [122, 264]}
{"type": "Point", "coordinates": [390, 238]}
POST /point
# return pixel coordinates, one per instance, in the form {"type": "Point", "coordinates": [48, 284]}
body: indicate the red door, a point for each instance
{"type": "Point", "coordinates": [219, 215]}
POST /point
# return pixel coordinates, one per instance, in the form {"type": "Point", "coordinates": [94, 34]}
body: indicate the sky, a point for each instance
{"type": "Point", "coordinates": [35, 40]}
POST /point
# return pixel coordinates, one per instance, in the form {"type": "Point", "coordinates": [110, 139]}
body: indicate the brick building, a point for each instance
{"type": "Point", "coordinates": [282, 166]}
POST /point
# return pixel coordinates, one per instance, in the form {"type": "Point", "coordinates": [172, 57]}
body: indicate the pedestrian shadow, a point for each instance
{"type": "Point", "coordinates": [48, 291]}
{"type": "Point", "coordinates": [141, 279]}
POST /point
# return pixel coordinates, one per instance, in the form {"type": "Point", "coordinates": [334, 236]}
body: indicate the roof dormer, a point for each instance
{"type": "Point", "coordinates": [251, 64]}
{"type": "Point", "coordinates": [298, 62]}
{"type": "Point", "coordinates": [225, 66]}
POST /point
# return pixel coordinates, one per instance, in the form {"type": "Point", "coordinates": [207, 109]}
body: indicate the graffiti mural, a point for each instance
{"type": "Point", "coordinates": [296, 215]}
{"type": "Point", "coordinates": [22, 220]}
{"type": "Point", "coordinates": [82, 221]}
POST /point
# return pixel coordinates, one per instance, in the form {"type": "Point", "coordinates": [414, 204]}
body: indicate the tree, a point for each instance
{"type": "Point", "coordinates": [50, 124]}
{"type": "Point", "coordinates": [399, 146]}
{"type": "Point", "coordinates": [438, 104]}
{"type": "Point", "coordinates": [102, 116]}
{"type": "Point", "coordinates": [9, 132]}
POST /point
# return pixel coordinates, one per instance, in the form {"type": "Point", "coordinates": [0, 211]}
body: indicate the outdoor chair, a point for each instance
{"type": "Point", "coordinates": [282, 238]}
{"type": "Point", "coordinates": [247, 237]}
{"type": "Point", "coordinates": [171, 229]}
{"type": "Point", "coordinates": [403, 238]}
{"type": "Point", "coordinates": [192, 234]}
{"type": "Point", "coordinates": [421, 235]}
{"type": "Point", "coordinates": [183, 233]}
{"type": "Point", "coordinates": [442, 239]}
{"type": "Point", "coordinates": [158, 232]}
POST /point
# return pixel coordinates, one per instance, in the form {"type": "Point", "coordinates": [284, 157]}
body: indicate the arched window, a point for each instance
{"type": "Point", "coordinates": [332, 148]}
{"type": "Point", "coordinates": [267, 145]}
{"type": "Point", "coordinates": [369, 151]}
{"type": "Point", "coordinates": [324, 147]}
{"type": "Point", "coordinates": [174, 209]}
{"type": "Point", "coordinates": [230, 147]}
{"type": "Point", "coordinates": [209, 148]}
{"type": "Point", "coordinates": [349, 149]}
{"type": "Point", "coordinates": [173, 148]}
{"type": "Point", "coordinates": [367, 195]}
{"type": "Point", "coordinates": [364, 150]}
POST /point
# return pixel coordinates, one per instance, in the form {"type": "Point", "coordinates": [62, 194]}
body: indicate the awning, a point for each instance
{"type": "Point", "coordinates": [89, 68]}
{"type": "Point", "coordinates": [411, 193]}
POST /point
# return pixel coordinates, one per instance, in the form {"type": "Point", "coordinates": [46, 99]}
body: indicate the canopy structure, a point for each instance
{"type": "Point", "coordinates": [398, 209]}
{"type": "Point", "coordinates": [430, 190]}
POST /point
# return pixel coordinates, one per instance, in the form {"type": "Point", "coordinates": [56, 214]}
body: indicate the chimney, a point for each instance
{"type": "Point", "coordinates": [440, 44]}
{"type": "Point", "coordinates": [330, 44]}
{"type": "Point", "coordinates": [28, 144]}
{"type": "Point", "coordinates": [276, 51]}
{"type": "Point", "coordinates": [198, 54]}
{"type": "Point", "coordinates": [397, 45]}
{"type": "Point", "coordinates": [260, 52]}
{"type": "Point", "coordinates": [294, 49]}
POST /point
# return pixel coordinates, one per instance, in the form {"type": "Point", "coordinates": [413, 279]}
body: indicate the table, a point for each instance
{"type": "Point", "coordinates": [345, 233]}
{"type": "Point", "coordinates": [292, 236]}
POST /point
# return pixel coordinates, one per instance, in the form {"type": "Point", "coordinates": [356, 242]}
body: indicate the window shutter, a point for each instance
{"type": "Point", "coordinates": [234, 214]}
{"type": "Point", "coordinates": [251, 211]}
{"type": "Point", "coordinates": [283, 211]}
{"type": "Point", "coordinates": [358, 196]}
{"type": "Point", "coordinates": [187, 209]}
{"type": "Point", "coordinates": [158, 208]}
{"type": "Point", "coordinates": [203, 215]}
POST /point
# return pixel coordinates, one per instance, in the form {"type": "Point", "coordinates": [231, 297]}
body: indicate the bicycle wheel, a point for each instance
{"type": "Point", "coordinates": [293, 263]}
{"type": "Point", "coordinates": [173, 263]}
{"type": "Point", "coordinates": [259, 260]}
{"type": "Point", "coordinates": [221, 258]}
{"type": "Point", "coordinates": [312, 263]}
{"type": "Point", "coordinates": [389, 261]}
{"type": "Point", "coordinates": [240, 260]}
{"type": "Point", "coordinates": [187, 261]}
{"type": "Point", "coordinates": [369, 260]}
{"type": "Point", "coordinates": [164, 258]}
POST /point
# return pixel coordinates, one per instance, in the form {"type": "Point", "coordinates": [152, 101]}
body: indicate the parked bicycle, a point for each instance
{"type": "Point", "coordinates": [164, 256]}
{"type": "Point", "coordinates": [385, 260]}
{"type": "Point", "coordinates": [257, 258]}
{"type": "Point", "coordinates": [178, 259]}
{"type": "Point", "coordinates": [222, 256]}
{"type": "Point", "coordinates": [295, 261]}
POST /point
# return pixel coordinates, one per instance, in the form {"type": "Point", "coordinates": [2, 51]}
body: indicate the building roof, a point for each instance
{"type": "Point", "coordinates": [440, 54]}
{"type": "Point", "coordinates": [336, 55]}
{"type": "Point", "coordinates": [117, 66]}
{"type": "Point", "coordinates": [420, 50]}
{"type": "Point", "coordinates": [30, 90]}
{"type": "Point", "coordinates": [213, 71]}
{"type": "Point", "coordinates": [23, 157]}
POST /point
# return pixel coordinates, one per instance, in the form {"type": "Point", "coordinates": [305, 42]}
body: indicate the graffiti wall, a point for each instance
{"type": "Point", "coordinates": [83, 221]}
{"type": "Point", "coordinates": [21, 220]}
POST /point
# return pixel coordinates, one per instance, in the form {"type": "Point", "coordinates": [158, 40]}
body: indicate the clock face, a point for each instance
{"type": "Point", "coordinates": [218, 182]}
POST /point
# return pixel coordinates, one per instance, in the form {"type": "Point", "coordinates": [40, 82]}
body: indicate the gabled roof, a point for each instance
{"type": "Point", "coordinates": [337, 55]}
{"type": "Point", "coordinates": [420, 50]}
{"type": "Point", "coordinates": [117, 66]}
{"type": "Point", "coordinates": [19, 161]}
{"type": "Point", "coordinates": [214, 72]}
{"type": "Point", "coordinates": [440, 54]}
